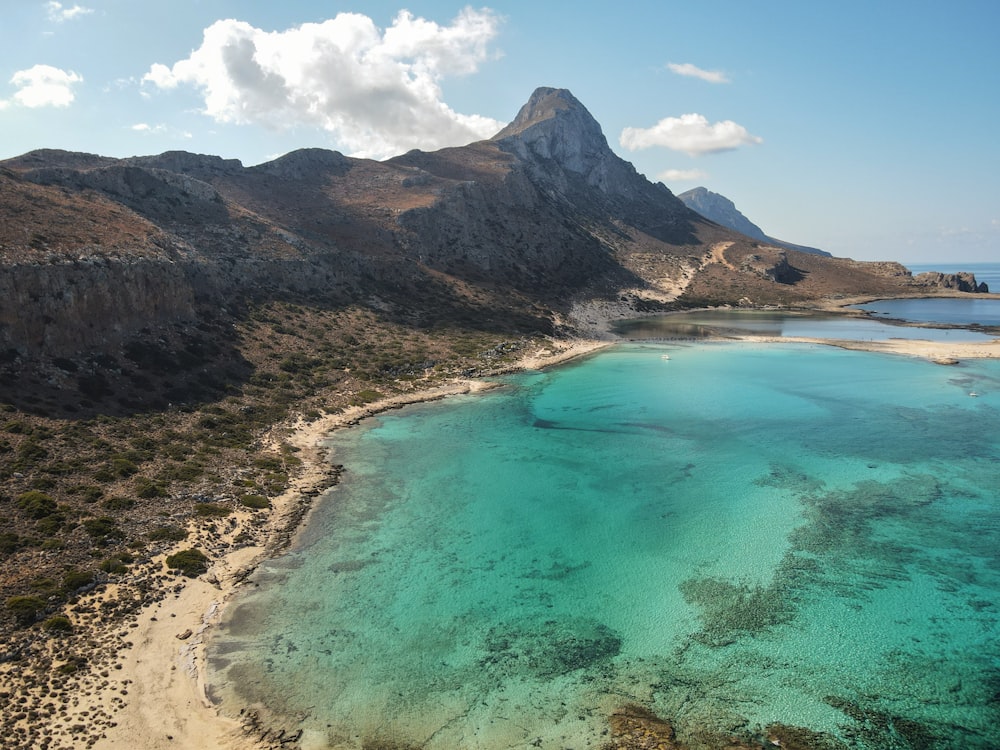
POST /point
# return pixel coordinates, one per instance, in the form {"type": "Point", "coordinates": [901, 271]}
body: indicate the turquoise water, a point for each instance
{"type": "Point", "coordinates": [734, 536]}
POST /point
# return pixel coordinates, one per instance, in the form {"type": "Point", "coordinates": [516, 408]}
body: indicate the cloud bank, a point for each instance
{"type": "Point", "coordinates": [43, 86]}
{"type": "Point", "coordinates": [693, 71]}
{"type": "Point", "coordinates": [377, 92]}
{"type": "Point", "coordinates": [691, 134]}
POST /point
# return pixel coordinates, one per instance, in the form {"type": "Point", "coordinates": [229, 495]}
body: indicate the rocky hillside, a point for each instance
{"type": "Point", "coordinates": [723, 211]}
{"type": "Point", "coordinates": [97, 250]}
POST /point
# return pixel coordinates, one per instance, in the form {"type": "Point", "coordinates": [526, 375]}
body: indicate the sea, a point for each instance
{"type": "Point", "coordinates": [731, 535]}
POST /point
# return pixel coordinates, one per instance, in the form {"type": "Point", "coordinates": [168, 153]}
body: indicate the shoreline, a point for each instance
{"type": "Point", "coordinates": [167, 704]}
{"type": "Point", "coordinates": [161, 666]}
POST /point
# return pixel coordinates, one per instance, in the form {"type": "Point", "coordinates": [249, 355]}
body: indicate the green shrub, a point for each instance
{"type": "Point", "coordinates": [36, 504]}
{"type": "Point", "coordinates": [11, 543]}
{"type": "Point", "coordinates": [102, 530]}
{"type": "Point", "coordinates": [118, 503]}
{"type": "Point", "coordinates": [87, 492]}
{"type": "Point", "coordinates": [365, 397]}
{"type": "Point", "coordinates": [189, 562]}
{"type": "Point", "coordinates": [167, 534]}
{"type": "Point", "coordinates": [25, 608]}
{"type": "Point", "coordinates": [147, 488]}
{"type": "Point", "coordinates": [44, 585]}
{"type": "Point", "coordinates": [58, 624]}
{"type": "Point", "coordinates": [123, 467]}
{"type": "Point", "coordinates": [185, 472]}
{"type": "Point", "coordinates": [71, 667]}
{"type": "Point", "coordinates": [30, 452]}
{"type": "Point", "coordinates": [256, 502]}
{"type": "Point", "coordinates": [270, 463]}
{"type": "Point", "coordinates": [17, 427]}
{"type": "Point", "coordinates": [211, 510]}
{"type": "Point", "coordinates": [74, 580]}
{"type": "Point", "coordinates": [117, 564]}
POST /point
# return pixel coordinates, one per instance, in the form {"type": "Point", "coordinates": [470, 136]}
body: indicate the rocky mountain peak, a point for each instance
{"type": "Point", "coordinates": [554, 126]}
{"type": "Point", "coordinates": [547, 104]}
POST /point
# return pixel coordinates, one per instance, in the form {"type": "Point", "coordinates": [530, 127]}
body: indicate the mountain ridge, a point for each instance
{"type": "Point", "coordinates": [722, 210]}
{"type": "Point", "coordinates": [531, 223]}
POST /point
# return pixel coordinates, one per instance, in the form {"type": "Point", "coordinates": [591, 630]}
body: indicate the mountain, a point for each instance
{"type": "Point", "coordinates": [721, 210]}
{"type": "Point", "coordinates": [530, 231]}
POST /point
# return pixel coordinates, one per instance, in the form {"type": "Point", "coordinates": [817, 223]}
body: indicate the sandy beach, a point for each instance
{"type": "Point", "coordinates": [155, 697]}
{"type": "Point", "coordinates": [162, 668]}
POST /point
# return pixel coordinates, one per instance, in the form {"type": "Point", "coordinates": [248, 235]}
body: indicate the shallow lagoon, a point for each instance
{"type": "Point", "coordinates": [733, 536]}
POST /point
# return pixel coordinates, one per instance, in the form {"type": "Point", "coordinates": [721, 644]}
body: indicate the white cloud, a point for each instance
{"type": "Point", "coordinates": [160, 129]}
{"type": "Point", "coordinates": [58, 13]}
{"type": "Point", "coordinates": [44, 86]}
{"type": "Point", "coordinates": [693, 71]}
{"type": "Point", "coordinates": [682, 175]}
{"type": "Point", "coordinates": [691, 134]}
{"type": "Point", "coordinates": [378, 92]}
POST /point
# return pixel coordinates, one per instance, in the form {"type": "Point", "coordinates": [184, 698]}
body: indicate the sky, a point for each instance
{"type": "Point", "coordinates": [867, 128]}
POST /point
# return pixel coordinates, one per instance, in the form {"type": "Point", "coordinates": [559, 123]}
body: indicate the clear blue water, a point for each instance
{"type": "Point", "coordinates": [964, 311]}
{"type": "Point", "coordinates": [706, 323]}
{"type": "Point", "coordinates": [739, 535]}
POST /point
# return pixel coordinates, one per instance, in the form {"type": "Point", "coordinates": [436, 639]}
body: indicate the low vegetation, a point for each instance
{"type": "Point", "coordinates": [106, 477]}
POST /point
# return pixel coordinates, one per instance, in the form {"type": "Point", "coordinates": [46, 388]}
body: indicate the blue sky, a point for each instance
{"type": "Point", "coordinates": [869, 129]}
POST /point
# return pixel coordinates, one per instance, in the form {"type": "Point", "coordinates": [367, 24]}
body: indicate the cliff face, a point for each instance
{"type": "Point", "coordinates": [88, 303]}
{"type": "Point", "coordinates": [97, 251]}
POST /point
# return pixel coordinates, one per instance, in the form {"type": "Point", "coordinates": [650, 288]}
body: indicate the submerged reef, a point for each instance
{"type": "Point", "coordinates": [553, 648]}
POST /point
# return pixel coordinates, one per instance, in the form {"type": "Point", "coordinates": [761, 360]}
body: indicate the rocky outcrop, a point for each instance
{"type": "Point", "coordinates": [960, 282]}
{"type": "Point", "coordinates": [773, 266]}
